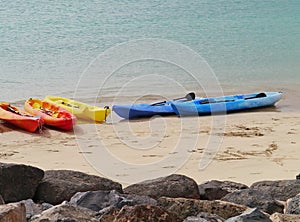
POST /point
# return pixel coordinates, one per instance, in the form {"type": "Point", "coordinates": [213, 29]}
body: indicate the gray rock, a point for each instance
{"type": "Point", "coordinates": [277, 217]}
{"type": "Point", "coordinates": [215, 190]}
{"type": "Point", "coordinates": [66, 213]}
{"type": "Point", "coordinates": [98, 200]}
{"type": "Point", "coordinates": [279, 190]}
{"type": "Point", "coordinates": [31, 208]}
{"type": "Point", "coordinates": [171, 186]}
{"type": "Point", "coordinates": [145, 213]}
{"type": "Point", "coordinates": [251, 215]}
{"type": "Point", "coordinates": [189, 207]}
{"type": "Point", "coordinates": [255, 198]}
{"type": "Point", "coordinates": [205, 217]}
{"type": "Point", "coordinates": [60, 185]}
{"type": "Point", "coordinates": [18, 182]}
{"type": "Point", "coordinates": [46, 206]}
{"type": "Point", "coordinates": [13, 212]}
{"type": "Point", "coordinates": [293, 205]}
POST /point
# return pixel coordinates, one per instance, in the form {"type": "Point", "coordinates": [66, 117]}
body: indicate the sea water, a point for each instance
{"type": "Point", "coordinates": [51, 47]}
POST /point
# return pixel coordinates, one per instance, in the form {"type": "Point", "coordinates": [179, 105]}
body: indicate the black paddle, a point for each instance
{"type": "Point", "coordinates": [190, 96]}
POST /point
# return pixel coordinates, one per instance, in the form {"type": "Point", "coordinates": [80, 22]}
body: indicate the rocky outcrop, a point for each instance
{"type": "Point", "coordinates": [280, 189]}
{"type": "Point", "coordinates": [255, 198]}
{"type": "Point", "coordinates": [215, 190]}
{"type": "Point", "coordinates": [171, 186]}
{"type": "Point", "coordinates": [98, 200]}
{"type": "Point", "coordinates": [60, 185]}
{"type": "Point", "coordinates": [293, 205]}
{"type": "Point", "coordinates": [13, 212]}
{"type": "Point", "coordinates": [278, 217]}
{"type": "Point", "coordinates": [66, 212]}
{"type": "Point", "coordinates": [188, 207]}
{"type": "Point", "coordinates": [251, 215]}
{"type": "Point", "coordinates": [18, 182]}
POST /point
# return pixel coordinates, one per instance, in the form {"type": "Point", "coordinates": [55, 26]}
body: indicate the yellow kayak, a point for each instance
{"type": "Point", "coordinates": [79, 109]}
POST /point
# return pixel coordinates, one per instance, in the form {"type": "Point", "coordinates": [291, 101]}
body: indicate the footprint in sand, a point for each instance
{"type": "Point", "coordinates": [272, 147]}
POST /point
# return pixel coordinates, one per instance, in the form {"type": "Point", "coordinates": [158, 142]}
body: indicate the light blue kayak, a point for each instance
{"type": "Point", "coordinates": [225, 104]}
{"type": "Point", "coordinates": [164, 108]}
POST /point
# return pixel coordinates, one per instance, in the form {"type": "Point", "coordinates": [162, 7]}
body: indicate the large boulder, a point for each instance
{"type": "Point", "coordinates": [255, 198]}
{"type": "Point", "coordinates": [189, 207]}
{"type": "Point", "coordinates": [98, 200]}
{"type": "Point", "coordinates": [145, 213]}
{"type": "Point", "coordinates": [251, 215]}
{"type": "Point", "coordinates": [278, 217]}
{"type": "Point", "coordinates": [60, 185]}
{"type": "Point", "coordinates": [171, 186]}
{"type": "Point", "coordinates": [13, 212]}
{"type": "Point", "coordinates": [293, 205]}
{"type": "Point", "coordinates": [215, 190]}
{"type": "Point", "coordinates": [66, 212]}
{"type": "Point", "coordinates": [18, 182]}
{"type": "Point", "coordinates": [204, 217]}
{"type": "Point", "coordinates": [280, 189]}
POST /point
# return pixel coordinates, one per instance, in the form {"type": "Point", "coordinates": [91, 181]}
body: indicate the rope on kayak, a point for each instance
{"type": "Point", "coordinates": [106, 108]}
{"type": "Point", "coordinates": [40, 125]}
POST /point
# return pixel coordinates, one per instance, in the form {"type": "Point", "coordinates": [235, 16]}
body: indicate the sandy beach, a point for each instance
{"type": "Point", "coordinates": [246, 147]}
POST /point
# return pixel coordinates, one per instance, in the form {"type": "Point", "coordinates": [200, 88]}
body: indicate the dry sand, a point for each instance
{"type": "Point", "coordinates": [249, 146]}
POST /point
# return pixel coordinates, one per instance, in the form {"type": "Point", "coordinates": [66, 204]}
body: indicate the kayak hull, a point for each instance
{"type": "Point", "coordinates": [225, 104]}
{"type": "Point", "coordinates": [143, 110]}
{"type": "Point", "coordinates": [51, 114]}
{"type": "Point", "coordinates": [79, 109]}
{"type": "Point", "coordinates": [19, 118]}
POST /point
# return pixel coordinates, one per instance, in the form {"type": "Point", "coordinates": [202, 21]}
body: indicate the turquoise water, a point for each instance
{"type": "Point", "coordinates": [46, 45]}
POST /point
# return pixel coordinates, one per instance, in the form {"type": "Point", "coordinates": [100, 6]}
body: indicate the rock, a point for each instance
{"type": "Point", "coordinates": [205, 217]}
{"type": "Point", "coordinates": [60, 185]}
{"type": "Point", "coordinates": [188, 207]}
{"type": "Point", "coordinates": [108, 214]}
{"type": "Point", "coordinates": [293, 205]}
{"type": "Point", "coordinates": [18, 182]}
{"type": "Point", "coordinates": [215, 190]}
{"type": "Point", "coordinates": [145, 213]}
{"type": "Point", "coordinates": [298, 177]}
{"type": "Point", "coordinates": [66, 213]}
{"type": "Point", "coordinates": [255, 198]}
{"type": "Point", "coordinates": [13, 212]}
{"type": "Point", "coordinates": [1, 200]}
{"type": "Point", "coordinates": [31, 208]}
{"type": "Point", "coordinates": [279, 190]}
{"type": "Point", "coordinates": [46, 206]}
{"type": "Point", "coordinates": [278, 217]}
{"type": "Point", "coordinates": [98, 200]}
{"type": "Point", "coordinates": [251, 215]}
{"type": "Point", "coordinates": [171, 186]}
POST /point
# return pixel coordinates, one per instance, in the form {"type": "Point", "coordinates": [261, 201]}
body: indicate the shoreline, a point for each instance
{"type": "Point", "coordinates": [255, 146]}
{"type": "Point", "coordinates": [291, 91]}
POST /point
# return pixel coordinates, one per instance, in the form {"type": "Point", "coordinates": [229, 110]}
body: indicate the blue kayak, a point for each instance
{"type": "Point", "coordinates": [217, 105]}
{"type": "Point", "coordinates": [148, 110]}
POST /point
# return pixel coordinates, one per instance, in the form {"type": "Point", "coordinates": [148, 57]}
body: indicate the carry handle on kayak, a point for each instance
{"type": "Point", "coordinates": [188, 97]}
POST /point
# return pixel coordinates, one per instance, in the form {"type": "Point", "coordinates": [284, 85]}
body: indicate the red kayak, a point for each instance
{"type": "Point", "coordinates": [20, 118]}
{"type": "Point", "coordinates": [52, 114]}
